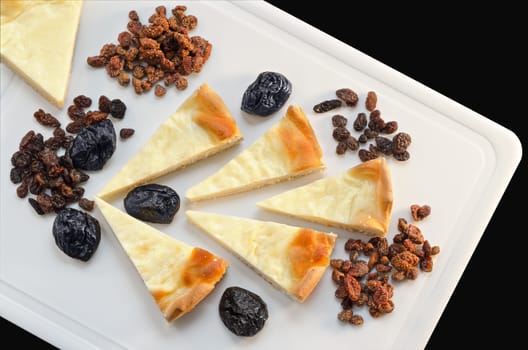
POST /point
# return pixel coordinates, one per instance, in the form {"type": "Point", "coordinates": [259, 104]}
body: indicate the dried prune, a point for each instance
{"type": "Point", "coordinates": [152, 203]}
{"type": "Point", "coordinates": [243, 312]}
{"type": "Point", "coordinates": [267, 94]}
{"type": "Point", "coordinates": [93, 146]}
{"type": "Point", "coordinates": [76, 233]}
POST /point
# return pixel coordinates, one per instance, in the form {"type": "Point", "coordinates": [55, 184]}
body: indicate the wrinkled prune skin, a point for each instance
{"type": "Point", "coordinates": [267, 94]}
{"type": "Point", "coordinates": [76, 233]}
{"type": "Point", "coordinates": [153, 203]}
{"type": "Point", "coordinates": [243, 312]}
{"type": "Point", "coordinates": [93, 146]}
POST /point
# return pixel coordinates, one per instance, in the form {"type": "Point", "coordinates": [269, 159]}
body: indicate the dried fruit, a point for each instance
{"type": "Point", "coordinates": [361, 122]}
{"type": "Point", "coordinates": [267, 94]}
{"type": "Point", "coordinates": [348, 96]}
{"type": "Point", "coordinates": [400, 142]}
{"type": "Point", "coordinates": [46, 119]}
{"type": "Point", "coordinates": [420, 212]}
{"type": "Point", "coordinates": [243, 312]}
{"type": "Point", "coordinates": [152, 203]}
{"type": "Point", "coordinates": [93, 146]}
{"type": "Point", "coordinates": [125, 133]}
{"type": "Point", "coordinates": [117, 108]}
{"type": "Point", "coordinates": [340, 134]}
{"type": "Point", "coordinates": [339, 121]}
{"type": "Point", "coordinates": [76, 233]}
{"type": "Point", "coordinates": [327, 105]}
{"type": "Point", "coordinates": [371, 101]}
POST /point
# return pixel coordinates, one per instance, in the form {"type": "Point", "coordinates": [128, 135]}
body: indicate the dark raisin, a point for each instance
{"type": "Point", "coordinates": [400, 142]}
{"type": "Point", "coordinates": [376, 123]}
{"type": "Point", "coordinates": [75, 127]}
{"type": "Point", "coordinates": [76, 113]}
{"type": "Point", "coordinates": [82, 101]}
{"type": "Point", "coordinates": [93, 146]}
{"type": "Point", "coordinates": [371, 101]}
{"type": "Point", "coordinates": [384, 145]}
{"type": "Point", "coordinates": [365, 155]}
{"type": "Point", "coordinates": [117, 108]}
{"type": "Point", "coordinates": [46, 119]}
{"type": "Point", "coordinates": [361, 122]}
{"type": "Point", "coordinates": [267, 94]}
{"type": "Point", "coordinates": [76, 233]}
{"type": "Point", "coordinates": [327, 105]}
{"type": "Point", "coordinates": [125, 133]}
{"type": "Point", "coordinates": [243, 312]}
{"type": "Point", "coordinates": [86, 204]}
{"type": "Point", "coordinates": [348, 96]}
{"type": "Point", "coordinates": [152, 203]}
{"type": "Point", "coordinates": [405, 155]}
{"type": "Point", "coordinates": [390, 127]}
{"type": "Point", "coordinates": [16, 175]}
{"type": "Point", "coordinates": [352, 143]}
{"type": "Point", "coordinates": [340, 134]}
{"type": "Point", "coordinates": [362, 138]}
{"type": "Point", "coordinates": [36, 206]}
{"type": "Point", "coordinates": [341, 148]}
{"type": "Point", "coordinates": [369, 133]}
{"type": "Point", "coordinates": [339, 120]}
{"type": "Point", "coordinates": [104, 104]}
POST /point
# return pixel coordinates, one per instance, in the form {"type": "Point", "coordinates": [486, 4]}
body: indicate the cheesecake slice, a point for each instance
{"type": "Point", "coordinates": [38, 42]}
{"type": "Point", "coordinates": [292, 259]}
{"type": "Point", "coordinates": [287, 150]}
{"type": "Point", "coordinates": [177, 275]}
{"type": "Point", "coordinates": [200, 127]}
{"type": "Point", "coordinates": [359, 199]}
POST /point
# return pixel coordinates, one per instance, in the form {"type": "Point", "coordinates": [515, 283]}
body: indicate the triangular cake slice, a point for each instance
{"type": "Point", "coordinates": [287, 150]}
{"type": "Point", "coordinates": [293, 259]}
{"type": "Point", "coordinates": [38, 41]}
{"type": "Point", "coordinates": [359, 199]}
{"type": "Point", "coordinates": [200, 127]}
{"type": "Point", "coordinates": [177, 275]}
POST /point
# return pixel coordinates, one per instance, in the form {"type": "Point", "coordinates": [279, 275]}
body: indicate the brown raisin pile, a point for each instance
{"type": "Point", "coordinates": [43, 168]}
{"type": "Point", "coordinates": [372, 128]}
{"type": "Point", "coordinates": [160, 50]}
{"type": "Point", "coordinates": [365, 282]}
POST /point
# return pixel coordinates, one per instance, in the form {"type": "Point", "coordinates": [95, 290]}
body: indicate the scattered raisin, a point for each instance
{"type": "Point", "coordinates": [46, 119]}
{"type": "Point", "coordinates": [339, 121]}
{"type": "Point", "coordinates": [82, 101]}
{"type": "Point", "coordinates": [352, 143]}
{"type": "Point", "coordinates": [400, 142]}
{"type": "Point", "coordinates": [420, 212]}
{"type": "Point", "coordinates": [86, 204]}
{"type": "Point", "coordinates": [326, 106]}
{"type": "Point", "coordinates": [341, 147]}
{"type": "Point", "coordinates": [390, 127]}
{"type": "Point", "coordinates": [405, 155]}
{"type": "Point", "coordinates": [384, 145]}
{"type": "Point", "coordinates": [365, 155]}
{"type": "Point", "coordinates": [361, 122]}
{"type": "Point", "coordinates": [348, 96]}
{"type": "Point", "coordinates": [125, 133]}
{"type": "Point", "coordinates": [371, 101]}
{"type": "Point", "coordinates": [341, 134]}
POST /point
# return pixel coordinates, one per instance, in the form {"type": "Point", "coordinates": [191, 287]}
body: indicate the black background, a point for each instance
{"type": "Point", "coordinates": [473, 57]}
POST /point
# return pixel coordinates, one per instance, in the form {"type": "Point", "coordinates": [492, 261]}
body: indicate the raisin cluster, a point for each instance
{"type": "Point", "coordinates": [372, 128]}
{"type": "Point", "coordinates": [366, 282]}
{"type": "Point", "coordinates": [161, 50]}
{"type": "Point", "coordinates": [45, 169]}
